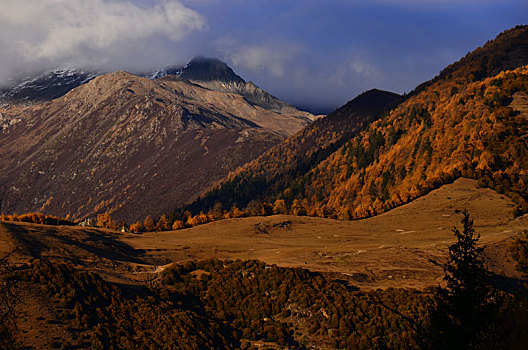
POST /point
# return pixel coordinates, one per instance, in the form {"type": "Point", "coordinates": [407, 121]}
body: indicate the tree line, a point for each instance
{"type": "Point", "coordinates": [36, 218]}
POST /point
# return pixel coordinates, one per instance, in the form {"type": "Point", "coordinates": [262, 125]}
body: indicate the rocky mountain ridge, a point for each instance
{"type": "Point", "coordinates": [209, 73]}
{"type": "Point", "coordinates": [129, 146]}
{"type": "Point", "coordinates": [216, 75]}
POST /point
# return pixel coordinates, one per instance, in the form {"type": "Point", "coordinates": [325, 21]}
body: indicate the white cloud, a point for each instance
{"type": "Point", "coordinates": [262, 58]}
{"type": "Point", "coordinates": [364, 68]}
{"type": "Point", "coordinates": [356, 70]}
{"type": "Point", "coordinates": [55, 32]}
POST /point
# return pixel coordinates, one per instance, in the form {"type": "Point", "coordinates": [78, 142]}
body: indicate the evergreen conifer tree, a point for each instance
{"type": "Point", "coordinates": [467, 302]}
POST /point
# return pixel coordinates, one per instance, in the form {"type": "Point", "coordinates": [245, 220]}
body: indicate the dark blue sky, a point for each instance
{"type": "Point", "coordinates": [312, 53]}
{"type": "Point", "coordinates": [320, 53]}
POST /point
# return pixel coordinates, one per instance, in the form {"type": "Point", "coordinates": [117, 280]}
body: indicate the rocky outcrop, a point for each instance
{"type": "Point", "coordinates": [218, 76]}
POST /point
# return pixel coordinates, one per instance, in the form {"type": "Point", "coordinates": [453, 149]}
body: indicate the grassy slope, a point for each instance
{"type": "Point", "coordinates": [406, 243]}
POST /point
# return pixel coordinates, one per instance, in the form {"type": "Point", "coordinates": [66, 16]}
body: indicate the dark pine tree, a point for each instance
{"type": "Point", "coordinates": [467, 305]}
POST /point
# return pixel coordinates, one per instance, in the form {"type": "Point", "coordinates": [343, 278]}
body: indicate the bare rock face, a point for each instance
{"type": "Point", "coordinates": [129, 146]}
{"type": "Point", "coordinates": [204, 69]}
{"type": "Point", "coordinates": [214, 74]}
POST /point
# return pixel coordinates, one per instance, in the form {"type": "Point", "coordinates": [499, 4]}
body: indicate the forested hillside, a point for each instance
{"type": "Point", "coordinates": [460, 124]}
{"type": "Point", "coordinates": [278, 169]}
{"type": "Point", "coordinates": [441, 134]}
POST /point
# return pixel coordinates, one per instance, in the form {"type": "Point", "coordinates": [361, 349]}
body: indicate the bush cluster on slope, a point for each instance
{"type": "Point", "coordinates": [229, 304]}
{"type": "Point", "coordinates": [215, 304]}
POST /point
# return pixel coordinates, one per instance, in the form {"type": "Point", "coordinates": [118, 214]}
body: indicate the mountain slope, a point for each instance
{"type": "Point", "coordinates": [280, 166]}
{"type": "Point", "coordinates": [452, 126]}
{"type": "Point", "coordinates": [430, 140]}
{"type": "Point", "coordinates": [129, 146]}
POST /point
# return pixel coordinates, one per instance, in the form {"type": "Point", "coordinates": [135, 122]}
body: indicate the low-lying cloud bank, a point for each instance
{"type": "Point", "coordinates": [40, 34]}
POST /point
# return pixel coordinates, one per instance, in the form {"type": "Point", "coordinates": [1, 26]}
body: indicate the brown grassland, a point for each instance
{"type": "Point", "coordinates": [404, 248]}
